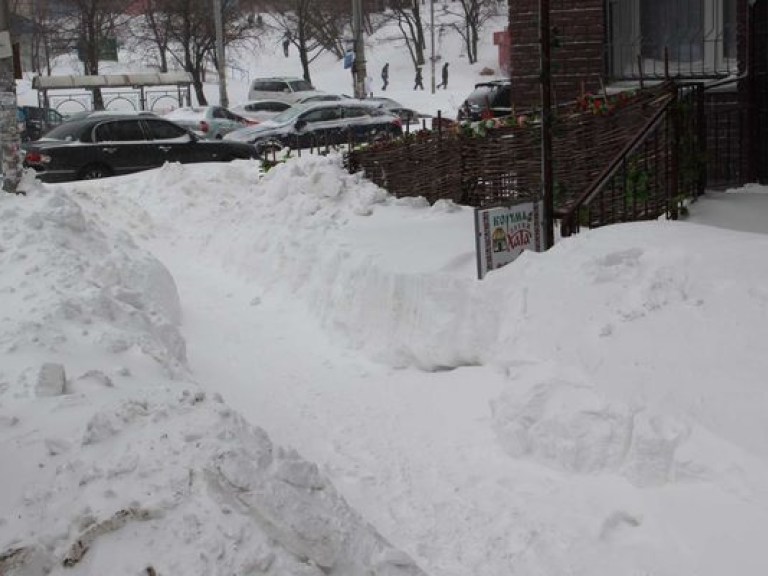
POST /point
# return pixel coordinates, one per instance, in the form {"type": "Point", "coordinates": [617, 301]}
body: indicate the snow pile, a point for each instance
{"type": "Point", "coordinates": [309, 227]}
{"type": "Point", "coordinates": [374, 271]}
{"type": "Point", "coordinates": [74, 286]}
{"type": "Point", "coordinates": [607, 396]}
{"type": "Point", "coordinates": [120, 463]}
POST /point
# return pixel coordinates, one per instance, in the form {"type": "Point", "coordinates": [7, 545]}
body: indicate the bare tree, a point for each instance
{"type": "Point", "coordinates": [310, 26]}
{"type": "Point", "coordinates": [407, 15]}
{"type": "Point", "coordinates": [46, 37]}
{"type": "Point", "coordinates": [91, 24]}
{"type": "Point", "coordinates": [473, 14]}
{"type": "Point", "coordinates": [155, 30]}
{"type": "Point", "coordinates": [183, 31]}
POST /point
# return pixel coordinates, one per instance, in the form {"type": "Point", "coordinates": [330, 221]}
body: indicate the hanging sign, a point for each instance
{"type": "Point", "coordinates": [349, 59]}
{"type": "Point", "coordinates": [504, 232]}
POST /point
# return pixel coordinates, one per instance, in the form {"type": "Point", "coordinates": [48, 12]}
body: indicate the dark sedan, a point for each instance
{"type": "Point", "coordinates": [321, 124]}
{"type": "Point", "coordinates": [101, 146]}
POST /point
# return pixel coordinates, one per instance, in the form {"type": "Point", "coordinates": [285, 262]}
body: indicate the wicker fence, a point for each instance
{"type": "Point", "coordinates": [614, 152]}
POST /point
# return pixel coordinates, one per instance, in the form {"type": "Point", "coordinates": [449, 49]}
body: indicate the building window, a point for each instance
{"type": "Point", "coordinates": [697, 38]}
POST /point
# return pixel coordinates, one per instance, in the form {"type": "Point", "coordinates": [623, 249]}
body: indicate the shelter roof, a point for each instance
{"type": "Point", "coordinates": [113, 80]}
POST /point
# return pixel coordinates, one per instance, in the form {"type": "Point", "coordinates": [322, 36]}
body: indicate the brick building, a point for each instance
{"type": "Point", "coordinates": [722, 45]}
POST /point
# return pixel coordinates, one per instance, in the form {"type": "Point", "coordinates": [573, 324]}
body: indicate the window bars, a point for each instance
{"type": "Point", "coordinates": [692, 39]}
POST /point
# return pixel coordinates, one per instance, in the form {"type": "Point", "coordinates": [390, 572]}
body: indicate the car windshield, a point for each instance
{"type": "Point", "coordinates": [482, 95]}
{"type": "Point", "coordinates": [68, 131]}
{"type": "Point", "coordinates": [290, 114]}
{"type": "Point", "coordinates": [300, 85]}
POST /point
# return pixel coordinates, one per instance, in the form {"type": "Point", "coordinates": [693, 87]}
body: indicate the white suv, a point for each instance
{"type": "Point", "coordinates": [283, 88]}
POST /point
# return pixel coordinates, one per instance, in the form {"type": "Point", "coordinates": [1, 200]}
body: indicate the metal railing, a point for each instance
{"type": "Point", "coordinates": [638, 184]}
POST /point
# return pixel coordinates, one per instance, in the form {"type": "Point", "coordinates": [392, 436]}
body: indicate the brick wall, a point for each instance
{"type": "Point", "coordinates": [578, 60]}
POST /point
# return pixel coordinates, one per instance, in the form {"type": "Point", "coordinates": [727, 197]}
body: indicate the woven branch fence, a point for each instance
{"type": "Point", "coordinates": [601, 165]}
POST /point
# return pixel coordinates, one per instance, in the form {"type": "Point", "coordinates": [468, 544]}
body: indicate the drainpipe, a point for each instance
{"type": "Point", "coordinates": [546, 125]}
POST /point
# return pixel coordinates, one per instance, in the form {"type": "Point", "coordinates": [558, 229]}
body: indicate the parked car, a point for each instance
{"type": "Point", "coordinates": [384, 101]}
{"type": "Point", "coordinates": [112, 145]}
{"type": "Point", "coordinates": [318, 124]}
{"type": "Point", "coordinates": [320, 98]}
{"type": "Point", "coordinates": [285, 88]}
{"type": "Point", "coordinates": [488, 100]}
{"type": "Point", "coordinates": [35, 121]}
{"type": "Point", "coordinates": [83, 114]}
{"type": "Point", "coordinates": [260, 110]}
{"type": "Point", "coordinates": [408, 115]}
{"type": "Point", "coordinates": [211, 122]}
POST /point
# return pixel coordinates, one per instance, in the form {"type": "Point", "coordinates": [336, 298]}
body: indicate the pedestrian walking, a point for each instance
{"type": "Point", "coordinates": [418, 81]}
{"type": "Point", "coordinates": [385, 77]}
{"type": "Point", "coordinates": [286, 43]}
{"type": "Point", "coordinates": [444, 83]}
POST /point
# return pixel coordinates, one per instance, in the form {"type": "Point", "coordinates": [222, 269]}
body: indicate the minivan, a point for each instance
{"type": "Point", "coordinates": [284, 88]}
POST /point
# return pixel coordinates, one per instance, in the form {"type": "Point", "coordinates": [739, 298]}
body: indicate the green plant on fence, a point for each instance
{"type": "Point", "coordinates": [584, 216]}
{"type": "Point", "coordinates": [692, 161]}
{"type": "Point", "coordinates": [559, 192]}
{"type": "Point", "coordinates": [636, 182]}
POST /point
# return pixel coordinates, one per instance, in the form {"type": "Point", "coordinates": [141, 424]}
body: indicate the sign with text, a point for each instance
{"type": "Point", "coordinates": [504, 232]}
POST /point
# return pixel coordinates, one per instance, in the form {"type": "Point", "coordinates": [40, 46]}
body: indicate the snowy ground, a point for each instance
{"type": "Point", "coordinates": [598, 409]}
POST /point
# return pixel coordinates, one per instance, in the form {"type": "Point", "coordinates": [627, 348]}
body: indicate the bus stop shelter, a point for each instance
{"type": "Point", "coordinates": [119, 91]}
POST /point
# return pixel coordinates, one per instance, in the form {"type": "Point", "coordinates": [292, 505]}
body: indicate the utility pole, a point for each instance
{"type": "Point", "coordinates": [9, 131]}
{"type": "Point", "coordinates": [359, 66]}
{"type": "Point", "coordinates": [432, 41]}
{"type": "Point", "coordinates": [546, 125]}
{"type": "Point", "coordinates": [222, 70]}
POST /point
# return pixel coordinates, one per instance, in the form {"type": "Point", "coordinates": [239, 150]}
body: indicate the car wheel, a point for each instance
{"type": "Point", "coordinates": [94, 171]}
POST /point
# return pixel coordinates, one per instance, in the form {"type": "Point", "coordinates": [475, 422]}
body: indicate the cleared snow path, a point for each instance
{"type": "Point", "coordinates": [534, 455]}
{"type": "Point", "coordinates": [363, 423]}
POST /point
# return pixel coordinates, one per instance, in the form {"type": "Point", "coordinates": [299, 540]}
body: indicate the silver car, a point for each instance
{"type": "Point", "coordinates": [209, 122]}
{"type": "Point", "coordinates": [285, 88]}
{"type": "Point", "coordinates": [260, 110]}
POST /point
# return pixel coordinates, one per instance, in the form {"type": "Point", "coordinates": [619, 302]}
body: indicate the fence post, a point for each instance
{"type": "Point", "coordinates": [701, 137]}
{"type": "Point", "coordinates": [674, 188]}
{"type": "Point", "coordinates": [546, 124]}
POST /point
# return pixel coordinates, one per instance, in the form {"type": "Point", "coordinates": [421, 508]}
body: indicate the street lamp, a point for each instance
{"type": "Point", "coordinates": [218, 20]}
{"type": "Point", "coordinates": [358, 67]}
{"type": "Point", "coordinates": [432, 41]}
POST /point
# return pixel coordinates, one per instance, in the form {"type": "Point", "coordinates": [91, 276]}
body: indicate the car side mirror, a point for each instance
{"type": "Point", "coordinates": [300, 124]}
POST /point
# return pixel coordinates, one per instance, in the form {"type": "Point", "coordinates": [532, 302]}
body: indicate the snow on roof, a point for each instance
{"type": "Point", "coordinates": [187, 113]}
{"type": "Point", "coordinates": [112, 80]}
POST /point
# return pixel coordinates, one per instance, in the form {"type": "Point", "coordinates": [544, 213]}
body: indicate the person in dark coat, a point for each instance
{"type": "Point", "coordinates": [286, 43]}
{"type": "Point", "coordinates": [418, 80]}
{"type": "Point", "coordinates": [385, 76]}
{"type": "Point", "coordinates": [444, 83]}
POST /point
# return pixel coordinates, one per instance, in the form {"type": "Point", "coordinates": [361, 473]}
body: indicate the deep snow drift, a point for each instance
{"type": "Point", "coordinates": [594, 410]}
{"type": "Point", "coordinates": [114, 460]}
